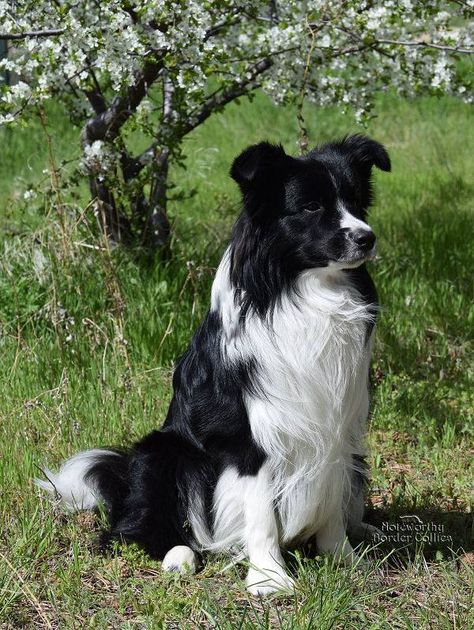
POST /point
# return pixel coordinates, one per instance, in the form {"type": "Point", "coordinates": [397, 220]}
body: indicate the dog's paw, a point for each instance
{"type": "Point", "coordinates": [364, 532]}
{"type": "Point", "coordinates": [370, 531]}
{"type": "Point", "coordinates": [180, 559]}
{"type": "Point", "coordinates": [266, 582]}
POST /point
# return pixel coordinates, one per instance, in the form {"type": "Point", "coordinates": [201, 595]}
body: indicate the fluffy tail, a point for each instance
{"type": "Point", "coordinates": [149, 492]}
{"type": "Point", "coordinates": [73, 483]}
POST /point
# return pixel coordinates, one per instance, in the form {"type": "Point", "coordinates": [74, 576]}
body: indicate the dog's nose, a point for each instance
{"type": "Point", "coordinates": [365, 239]}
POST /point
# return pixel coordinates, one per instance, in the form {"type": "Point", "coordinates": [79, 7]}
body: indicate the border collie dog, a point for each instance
{"type": "Point", "coordinates": [263, 444]}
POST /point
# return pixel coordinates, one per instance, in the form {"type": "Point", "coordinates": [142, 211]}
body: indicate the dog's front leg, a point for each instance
{"type": "Point", "coordinates": [267, 573]}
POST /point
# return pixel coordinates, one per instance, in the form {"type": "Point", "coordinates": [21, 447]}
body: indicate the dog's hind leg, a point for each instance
{"type": "Point", "coordinates": [332, 536]}
{"type": "Point", "coordinates": [267, 573]}
{"type": "Point", "coordinates": [332, 539]}
{"type": "Point", "coordinates": [357, 529]}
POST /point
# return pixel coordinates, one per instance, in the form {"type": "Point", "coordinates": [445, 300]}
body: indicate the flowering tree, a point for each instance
{"type": "Point", "coordinates": [164, 66]}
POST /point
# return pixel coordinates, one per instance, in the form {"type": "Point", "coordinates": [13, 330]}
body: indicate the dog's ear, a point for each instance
{"type": "Point", "coordinates": [258, 163]}
{"type": "Point", "coordinates": [367, 152]}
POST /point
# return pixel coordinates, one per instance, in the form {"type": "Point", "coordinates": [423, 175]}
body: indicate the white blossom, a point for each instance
{"type": "Point", "coordinates": [98, 157]}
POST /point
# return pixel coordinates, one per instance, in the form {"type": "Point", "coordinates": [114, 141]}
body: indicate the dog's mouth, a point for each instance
{"type": "Point", "coordinates": [358, 258]}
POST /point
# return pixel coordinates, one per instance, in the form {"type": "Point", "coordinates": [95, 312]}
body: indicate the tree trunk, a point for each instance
{"type": "Point", "coordinates": [114, 224]}
{"type": "Point", "coordinates": [156, 231]}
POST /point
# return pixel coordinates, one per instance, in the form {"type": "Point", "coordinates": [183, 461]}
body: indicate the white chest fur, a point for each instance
{"type": "Point", "coordinates": [310, 403]}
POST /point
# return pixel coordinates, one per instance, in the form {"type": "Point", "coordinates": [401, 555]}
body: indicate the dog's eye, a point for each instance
{"type": "Point", "coordinates": [313, 206]}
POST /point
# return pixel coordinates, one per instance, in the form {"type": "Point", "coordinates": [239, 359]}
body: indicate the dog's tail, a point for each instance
{"type": "Point", "coordinates": [149, 491]}
{"type": "Point", "coordinates": [76, 483]}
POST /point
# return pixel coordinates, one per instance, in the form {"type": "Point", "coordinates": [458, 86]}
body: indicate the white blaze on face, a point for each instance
{"type": "Point", "coordinates": [351, 222]}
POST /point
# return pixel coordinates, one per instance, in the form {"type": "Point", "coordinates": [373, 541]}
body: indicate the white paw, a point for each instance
{"type": "Point", "coordinates": [180, 559]}
{"type": "Point", "coordinates": [266, 582]}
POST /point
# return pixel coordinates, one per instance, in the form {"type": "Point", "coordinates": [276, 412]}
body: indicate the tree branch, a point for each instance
{"type": "Point", "coordinates": [47, 33]}
{"type": "Point", "coordinates": [421, 44]}
{"type": "Point", "coordinates": [110, 119]}
{"type": "Point", "coordinates": [107, 124]}
{"type": "Point", "coordinates": [215, 101]}
{"type": "Point", "coordinates": [464, 5]}
{"type": "Point", "coordinates": [396, 42]}
{"type": "Point", "coordinates": [217, 28]}
{"type": "Point", "coordinates": [168, 91]}
{"type": "Point", "coordinates": [96, 97]}
{"type": "Point", "coordinates": [219, 99]}
{"type": "Point", "coordinates": [96, 100]}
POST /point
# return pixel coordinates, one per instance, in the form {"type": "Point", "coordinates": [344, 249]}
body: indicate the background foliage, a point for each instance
{"type": "Point", "coordinates": [158, 69]}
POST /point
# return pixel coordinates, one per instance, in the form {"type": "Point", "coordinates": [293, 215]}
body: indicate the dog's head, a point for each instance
{"type": "Point", "coordinates": [312, 210]}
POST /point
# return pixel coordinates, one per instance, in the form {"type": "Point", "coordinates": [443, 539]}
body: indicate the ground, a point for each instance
{"type": "Point", "coordinates": [88, 338]}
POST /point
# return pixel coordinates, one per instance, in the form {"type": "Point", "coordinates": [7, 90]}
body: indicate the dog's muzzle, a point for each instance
{"type": "Point", "coordinates": [364, 239]}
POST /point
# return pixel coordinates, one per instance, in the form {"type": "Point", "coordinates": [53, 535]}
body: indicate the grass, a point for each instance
{"type": "Point", "coordinates": [88, 339]}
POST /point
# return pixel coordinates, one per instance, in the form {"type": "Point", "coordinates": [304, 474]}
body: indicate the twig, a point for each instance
{"type": "Point", "coordinates": [24, 35]}
{"type": "Point", "coordinates": [303, 132]}
{"type": "Point", "coordinates": [464, 51]}
{"type": "Point", "coordinates": [239, 88]}
{"type": "Point", "coordinates": [396, 42]}
{"type": "Point", "coordinates": [89, 246]}
{"type": "Point", "coordinates": [217, 28]}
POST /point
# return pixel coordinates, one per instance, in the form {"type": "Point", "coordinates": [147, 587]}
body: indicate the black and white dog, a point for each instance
{"type": "Point", "coordinates": [263, 443]}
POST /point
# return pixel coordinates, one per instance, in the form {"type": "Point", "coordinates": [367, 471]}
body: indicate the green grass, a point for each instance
{"type": "Point", "coordinates": [88, 339]}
